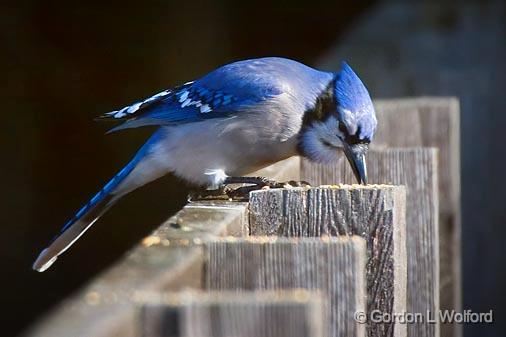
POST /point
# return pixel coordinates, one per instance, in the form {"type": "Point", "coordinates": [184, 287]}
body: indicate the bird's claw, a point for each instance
{"type": "Point", "coordinates": [242, 193]}
{"type": "Point", "coordinates": [295, 183]}
{"type": "Point", "coordinates": [226, 192]}
{"type": "Point", "coordinates": [207, 195]}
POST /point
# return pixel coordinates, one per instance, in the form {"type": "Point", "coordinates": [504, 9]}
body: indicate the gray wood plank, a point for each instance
{"type": "Point", "coordinates": [295, 313]}
{"type": "Point", "coordinates": [425, 122]}
{"type": "Point", "coordinates": [375, 212]}
{"type": "Point", "coordinates": [333, 265]}
{"type": "Point", "coordinates": [416, 169]}
{"type": "Point", "coordinates": [433, 122]}
{"type": "Point", "coordinates": [170, 258]}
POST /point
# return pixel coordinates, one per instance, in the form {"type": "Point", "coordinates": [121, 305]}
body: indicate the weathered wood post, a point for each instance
{"type": "Point", "coordinates": [168, 259]}
{"type": "Point", "coordinates": [416, 169]}
{"type": "Point", "coordinates": [433, 122]}
{"type": "Point", "coordinates": [336, 266]}
{"type": "Point", "coordinates": [374, 212]}
{"type": "Point", "coordinates": [297, 313]}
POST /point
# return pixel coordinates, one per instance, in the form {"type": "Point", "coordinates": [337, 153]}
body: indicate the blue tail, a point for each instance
{"type": "Point", "coordinates": [92, 211]}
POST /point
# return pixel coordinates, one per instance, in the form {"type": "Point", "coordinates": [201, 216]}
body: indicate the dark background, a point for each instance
{"type": "Point", "coordinates": [65, 62]}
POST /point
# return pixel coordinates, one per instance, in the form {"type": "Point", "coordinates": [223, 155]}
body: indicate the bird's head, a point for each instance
{"type": "Point", "coordinates": [343, 119]}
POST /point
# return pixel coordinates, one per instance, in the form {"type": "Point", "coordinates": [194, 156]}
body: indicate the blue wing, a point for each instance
{"type": "Point", "coordinates": [187, 103]}
{"type": "Point", "coordinates": [221, 93]}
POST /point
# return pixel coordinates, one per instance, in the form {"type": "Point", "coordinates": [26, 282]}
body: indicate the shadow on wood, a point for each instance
{"type": "Point", "coordinates": [374, 212]}
{"type": "Point", "coordinates": [167, 259]}
{"type": "Point", "coordinates": [416, 169]}
{"type": "Point", "coordinates": [434, 122]}
{"type": "Point", "coordinates": [335, 266]}
{"type": "Point", "coordinates": [297, 313]}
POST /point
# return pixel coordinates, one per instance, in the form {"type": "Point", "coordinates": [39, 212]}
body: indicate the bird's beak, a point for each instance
{"type": "Point", "coordinates": [356, 156]}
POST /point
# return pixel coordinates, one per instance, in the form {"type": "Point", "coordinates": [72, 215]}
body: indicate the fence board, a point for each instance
{"type": "Point", "coordinates": [295, 313]}
{"type": "Point", "coordinates": [433, 122]}
{"type": "Point", "coordinates": [374, 212]}
{"type": "Point", "coordinates": [417, 170]}
{"type": "Point", "coordinates": [167, 259]}
{"type": "Point", "coordinates": [333, 265]}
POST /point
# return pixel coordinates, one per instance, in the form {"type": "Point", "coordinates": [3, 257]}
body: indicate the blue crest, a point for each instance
{"type": "Point", "coordinates": [354, 105]}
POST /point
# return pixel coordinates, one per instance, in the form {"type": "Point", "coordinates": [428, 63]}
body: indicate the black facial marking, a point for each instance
{"type": "Point", "coordinates": [352, 139]}
{"type": "Point", "coordinates": [343, 128]}
{"type": "Point", "coordinates": [325, 104]}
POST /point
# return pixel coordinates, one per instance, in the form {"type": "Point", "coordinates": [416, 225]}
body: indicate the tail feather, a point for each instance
{"type": "Point", "coordinates": [82, 220]}
{"type": "Point", "coordinates": [73, 231]}
{"type": "Point", "coordinates": [92, 211]}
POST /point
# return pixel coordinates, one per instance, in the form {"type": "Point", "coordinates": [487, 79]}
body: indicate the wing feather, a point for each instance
{"type": "Point", "coordinates": [223, 92]}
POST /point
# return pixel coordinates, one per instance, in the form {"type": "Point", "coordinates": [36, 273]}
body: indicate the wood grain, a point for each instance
{"type": "Point", "coordinates": [335, 266]}
{"type": "Point", "coordinates": [297, 313]}
{"type": "Point", "coordinates": [374, 212]}
{"type": "Point", "coordinates": [433, 122]}
{"type": "Point", "coordinates": [170, 258]}
{"type": "Point", "coordinates": [416, 169]}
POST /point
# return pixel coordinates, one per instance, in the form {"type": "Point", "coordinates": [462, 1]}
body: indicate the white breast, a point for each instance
{"type": "Point", "coordinates": [237, 145]}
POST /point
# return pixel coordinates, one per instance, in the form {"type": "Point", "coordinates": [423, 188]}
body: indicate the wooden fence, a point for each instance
{"type": "Point", "coordinates": [318, 261]}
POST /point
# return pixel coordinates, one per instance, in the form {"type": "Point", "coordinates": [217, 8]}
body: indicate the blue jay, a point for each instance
{"type": "Point", "coordinates": [233, 121]}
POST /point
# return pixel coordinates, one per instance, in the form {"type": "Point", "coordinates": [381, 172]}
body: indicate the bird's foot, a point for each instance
{"type": "Point", "coordinates": [207, 195]}
{"type": "Point", "coordinates": [226, 192]}
{"type": "Point", "coordinates": [296, 183]}
{"type": "Point", "coordinates": [257, 183]}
